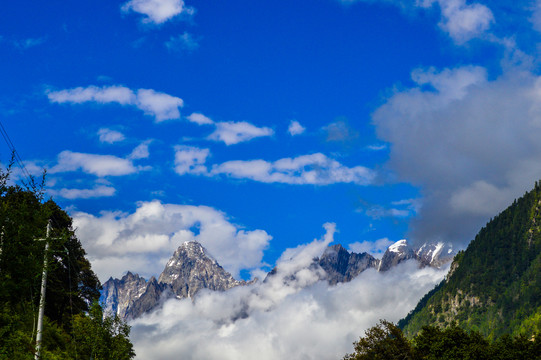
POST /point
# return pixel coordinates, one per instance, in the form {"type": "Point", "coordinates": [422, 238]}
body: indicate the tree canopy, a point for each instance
{"type": "Point", "coordinates": [74, 325]}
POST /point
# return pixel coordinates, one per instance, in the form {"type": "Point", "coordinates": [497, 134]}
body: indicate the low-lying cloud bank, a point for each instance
{"type": "Point", "coordinates": [292, 315]}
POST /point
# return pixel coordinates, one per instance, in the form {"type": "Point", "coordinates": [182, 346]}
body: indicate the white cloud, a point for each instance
{"type": "Point", "coordinates": [99, 165]}
{"type": "Point", "coordinates": [314, 169]}
{"type": "Point", "coordinates": [97, 191]}
{"type": "Point", "coordinates": [190, 160]}
{"type": "Point", "coordinates": [144, 240]}
{"type": "Point", "coordinates": [184, 42]}
{"type": "Point", "coordinates": [159, 105]}
{"type": "Point", "coordinates": [460, 20]}
{"type": "Point", "coordinates": [464, 22]}
{"type": "Point", "coordinates": [300, 318]}
{"type": "Point", "coordinates": [140, 152]}
{"type": "Point", "coordinates": [107, 94]}
{"type": "Point", "coordinates": [295, 128]}
{"type": "Point", "coordinates": [471, 145]}
{"type": "Point", "coordinates": [375, 248]}
{"type": "Point", "coordinates": [200, 119]}
{"type": "Point", "coordinates": [235, 132]}
{"type": "Point", "coordinates": [110, 136]}
{"type": "Point", "coordinates": [157, 11]}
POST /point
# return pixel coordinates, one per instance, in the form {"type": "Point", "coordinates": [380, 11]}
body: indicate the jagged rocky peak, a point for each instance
{"type": "Point", "coordinates": [395, 254]}
{"type": "Point", "coordinates": [342, 266]}
{"type": "Point", "coordinates": [429, 254]}
{"type": "Point", "coordinates": [119, 294]}
{"type": "Point", "coordinates": [191, 268]}
{"type": "Point", "coordinates": [435, 254]}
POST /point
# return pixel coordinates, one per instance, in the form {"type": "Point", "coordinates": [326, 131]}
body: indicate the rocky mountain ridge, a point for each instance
{"type": "Point", "coordinates": [191, 269]}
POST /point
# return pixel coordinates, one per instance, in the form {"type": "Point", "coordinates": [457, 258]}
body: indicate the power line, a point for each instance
{"type": "Point", "coordinates": [16, 156]}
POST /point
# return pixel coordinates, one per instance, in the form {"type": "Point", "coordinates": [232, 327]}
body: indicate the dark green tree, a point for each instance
{"type": "Point", "coordinates": [385, 341]}
{"type": "Point", "coordinates": [71, 284]}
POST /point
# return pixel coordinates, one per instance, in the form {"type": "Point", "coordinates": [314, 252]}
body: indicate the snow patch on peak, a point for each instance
{"type": "Point", "coordinates": [397, 246]}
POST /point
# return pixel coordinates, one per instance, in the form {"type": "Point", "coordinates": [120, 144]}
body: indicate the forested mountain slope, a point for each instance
{"type": "Point", "coordinates": [494, 286]}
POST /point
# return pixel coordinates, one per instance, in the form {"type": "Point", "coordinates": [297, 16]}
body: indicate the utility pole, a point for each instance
{"type": "Point", "coordinates": [42, 298]}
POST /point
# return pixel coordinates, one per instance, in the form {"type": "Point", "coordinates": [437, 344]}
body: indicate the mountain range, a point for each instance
{"type": "Point", "coordinates": [192, 268]}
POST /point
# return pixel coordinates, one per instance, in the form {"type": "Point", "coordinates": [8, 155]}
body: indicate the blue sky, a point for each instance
{"type": "Point", "coordinates": [267, 120]}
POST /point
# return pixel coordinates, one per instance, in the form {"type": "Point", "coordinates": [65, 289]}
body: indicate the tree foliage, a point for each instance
{"type": "Point", "coordinates": [385, 341]}
{"type": "Point", "coordinates": [494, 288]}
{"type": "Point", "coordinates": [72, 286]}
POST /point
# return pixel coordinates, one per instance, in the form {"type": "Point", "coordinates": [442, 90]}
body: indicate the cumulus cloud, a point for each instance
{"type": "Point", "coordinates": [159, 105]}
{"type": "Point", "coordinates": [199, 119]}
{"type": "Point", "coordinates": [301, 318]}
{"type": "Point", "coordinates": [97, 191]}
{"type": "Point", "coordinates": [110, 136]}
{"type": "Point", "coordinates": [99, 165]}
{"type": "Point", "coordinates": [471, 145]}
{"type": "Point", "coordinates": [314, 169]}
{"type": "Point", "coordinates": [157, 11]}
{"type": "Point", "coordinates": [235, 132]}
{"type": "Point", "coordinates": [182, 42]}
{"type": "Point", "coordinates": [460, 20]}
{"type": "Point", "coordinates": [190, 160]}
{"type": "Point", "coordinates": [144, 240]}
{"type": "Point", "coordinates": [295, 128]}
{"type": "Point", "coordinates": [464, 21]}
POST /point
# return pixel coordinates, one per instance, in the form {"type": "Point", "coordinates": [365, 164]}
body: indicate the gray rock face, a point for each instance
{"type": "Point", "coordinates": [435, 254]}
{"type": "Point", "coordinates": [189, 270]}
{"type": "Point", "coordinates": [395, 254]}
{"type": "Point", "coordinates": [342, 266]}
{"type": "Point", "coordinates": [118, 295]}
{"type": "Point", "coordinates": [154, 294]}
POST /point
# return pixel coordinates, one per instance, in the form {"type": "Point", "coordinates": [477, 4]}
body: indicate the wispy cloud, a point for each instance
{"type": "Point", "coordinates": [183, 42]}
{"type": "Point", "coordinates": [375, 248]}
{"type": "Point", "coordinates": [314, 169]}
{"type": "Point", "coordinates": [157, 11]}
{"type": "Point", "coordinates": [340, 131]}
{"type": "Point", "coordinates": [235, 132]}
{"type": "Point", "coordinates": [110, 136]}
{"type": "Point", "coordinates": [141, 151]}
{"type": "Point", "coordinates": [159, 105]}
{"type": "Point", "coordinates": [29, 43]}
{"type": "Point", "coordinates": [97, 191]}
{"type": "Point", "coordinates": [99, 165]}
{"type": "Point", "coordinates": [295, 128]}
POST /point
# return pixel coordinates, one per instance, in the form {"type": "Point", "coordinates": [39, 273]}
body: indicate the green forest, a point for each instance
{"type": "Point", "coordinates": [74, 325]}
{"type": "Point", "coordinates": [493, 286]}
